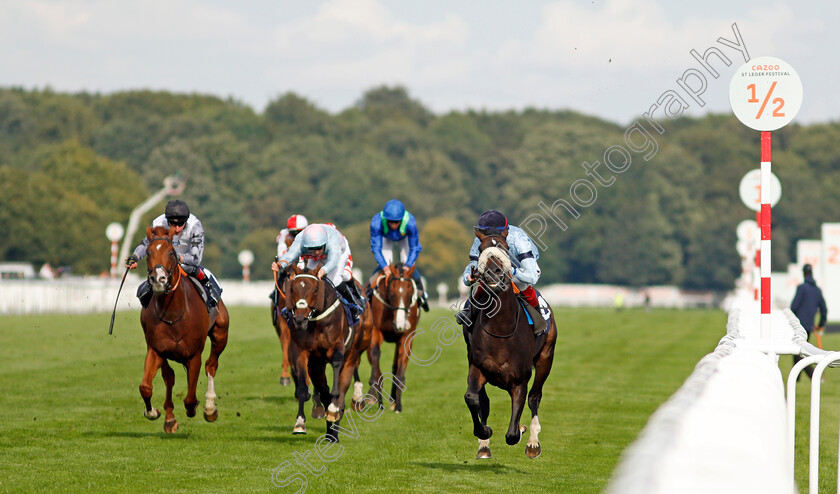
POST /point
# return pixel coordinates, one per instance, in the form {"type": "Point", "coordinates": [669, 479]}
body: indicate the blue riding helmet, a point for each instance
{"type": "Point", "coordinates": [393, 210]}
{"type": "Point", "coordinates": [314, 237]}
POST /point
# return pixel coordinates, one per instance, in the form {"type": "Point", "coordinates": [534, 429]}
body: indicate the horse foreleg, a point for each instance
{"type": "Point", "coordinates": [150, 368]}
{"type": "Point", "coordinates": [318, 376]}
{"type": "Point", "coordinates": [193, 367]}
{"type": "Point", "coordinates": [402, 352]}
{"type": "Point", "coordinates": [374, 353]}
{"type": "Point", "coordinates": [336, 405]}
{"type": "Point", "coordinates": [475, 383]}
{"type": "Point", "coordinates": [170, 425]}
{"type": "Point", "coordinates": [517, 404]}
{"type": "Point", "coordinates": [218, 342]}
{"type": "Point", "coordinates": [285, 340]}
{"type": "Point", "coordinates": [301, 388]}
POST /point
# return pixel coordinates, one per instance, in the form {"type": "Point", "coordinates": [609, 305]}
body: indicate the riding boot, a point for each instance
{"type": "Point", "coordinates": [424, 297]}
{"type": "Point", "coordinates": [466, 316]}
{"type": "Point", "coordinates": [211, 289]}
{"type": "Point", "coordinates": [533, 308]}
{"type": "Point", "coordinates": [144, 293]}
{"type": "Point", "coordinates": [350, 296]}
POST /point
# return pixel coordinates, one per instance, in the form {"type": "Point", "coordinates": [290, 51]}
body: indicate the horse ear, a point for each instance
{"type": "Point", "coordinates": [149, 232]}
{"type": "Point", "coordinates": [320, 295]}
{"type": "Point", "coordinates": [480, 236]}
{"type": "Point", "coordinates": [295, 269]}
{"type": "Point", "coordinates": [410, 271]}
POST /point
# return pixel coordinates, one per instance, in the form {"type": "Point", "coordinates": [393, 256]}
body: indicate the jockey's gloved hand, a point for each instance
{"type": "Point", "coordinates": [132, 259]}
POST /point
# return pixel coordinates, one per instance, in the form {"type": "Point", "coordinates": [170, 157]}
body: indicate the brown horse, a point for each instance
{"type": "Point", "coordinates": [281, 327]}
{"type": "Point", "coordinates": [395, 311]}
{"type": "Point", "coordinates": [502, 350]}
{"type": "Point", "coordinates": [320, 335]}
{"type": "Point", "coordinates": [176, 324]}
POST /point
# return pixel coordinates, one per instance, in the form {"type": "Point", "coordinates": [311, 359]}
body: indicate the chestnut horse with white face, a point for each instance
{"type": "Point", "coordinates": [176, 324]}
{"type": "Point", "coordinates": [395, 310]}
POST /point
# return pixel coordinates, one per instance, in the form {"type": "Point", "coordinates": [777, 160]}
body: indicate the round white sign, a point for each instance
{"type": "Point", "coordinates": [114, 231]}
{"type": "Point", "coordinates": [743, 248]}
{"type": "Point", "coordinates": [753, 196]}
{"type": "Point", "coordinates": [245, 258]}
{"type": "Point", "coordinates": [765, 93]}
{"type": "Point", "coordinates": [747, 230]}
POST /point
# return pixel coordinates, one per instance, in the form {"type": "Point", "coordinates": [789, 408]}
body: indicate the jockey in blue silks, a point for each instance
{"type": "Point", "coordinates": [395, 230]}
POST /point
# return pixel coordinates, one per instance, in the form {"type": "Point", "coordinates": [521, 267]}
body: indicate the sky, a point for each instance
{"type": "Point", "coordinates": [608, 58]}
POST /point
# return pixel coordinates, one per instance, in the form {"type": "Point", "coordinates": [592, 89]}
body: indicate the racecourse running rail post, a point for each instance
{"type": "Point", "coordinates": [765, 94]}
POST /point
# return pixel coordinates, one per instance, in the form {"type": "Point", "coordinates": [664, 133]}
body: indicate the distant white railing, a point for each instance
{"type": "Point", "coordinates": [92, 295]}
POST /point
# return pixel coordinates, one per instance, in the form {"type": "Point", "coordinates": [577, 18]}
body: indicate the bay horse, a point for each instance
{"type": "Point", "coordinates": [502, 350]}
{"type": "Point", "coordinates": [395, 311]}
{"type": "Point", "coordinates": [176, 324]}
{"type": "Point", "coordinates": [281, 327]}
{"type": "Point", "coordinates": [321, 335]}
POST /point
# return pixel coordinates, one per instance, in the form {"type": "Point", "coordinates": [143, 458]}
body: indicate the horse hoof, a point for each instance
{"type": "Point", "coordinates": [190, 411]}
{"type": "Point", "coordinates": [393, 406]}
{"type": "Point", "coordinates": [483, 434]}
{"type": "Point", "coordinates": [170, 426]}
{"type": "Point", "coordinates": [533, 451]}
{"type": "Point", "coordinates": [318, 412]}
{"type": "Point", "coordinates": [285, 381]}
{"type": "Point", "coordinates": [483, 453]}
{"type": "Point", "coordinates": [211, 416]}
{"type": "Point", "coordinates": [333, 417]}
{"type": "Point", "coordinates": [154, 414]}
{"type": "Point", "coordinates": [358, 406]}
{"type": "Point", "coordinates": [299, 429]}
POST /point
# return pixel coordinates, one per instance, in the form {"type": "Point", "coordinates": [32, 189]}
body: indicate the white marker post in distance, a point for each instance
{"type": "Point", "coordinates": [753, 195]}
{"type": "Point", "coordinates": [765, 94]}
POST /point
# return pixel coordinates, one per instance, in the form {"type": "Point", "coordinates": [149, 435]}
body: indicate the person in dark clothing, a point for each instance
{"type": "Point", "coordinates": [806, 302]}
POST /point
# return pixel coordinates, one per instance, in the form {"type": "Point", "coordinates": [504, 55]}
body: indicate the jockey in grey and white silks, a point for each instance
{"type": "Point", "coordinates": [524, 256]}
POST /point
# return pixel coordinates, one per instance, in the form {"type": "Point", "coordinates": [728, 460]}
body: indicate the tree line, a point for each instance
{"type": "Point", "coordinates": [72, 163]}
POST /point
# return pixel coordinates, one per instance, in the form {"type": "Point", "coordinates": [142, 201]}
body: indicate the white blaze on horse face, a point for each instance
{"type": "Point", "coordinates": [159, 280]}
{"type": "Point", "coordinates": [402, 321]}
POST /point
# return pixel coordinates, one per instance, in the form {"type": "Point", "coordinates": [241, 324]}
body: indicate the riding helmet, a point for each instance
{"type": "Point", "coordinates": [177, 211]}
{"type": "Point", "coordinates": [314, 237]}
{"type": "Point", "coordinates": [394, 210]}
{"type": "Point", "coordinates": [297, 222]}
{"type": "Point", "coordinates": [492, 220]}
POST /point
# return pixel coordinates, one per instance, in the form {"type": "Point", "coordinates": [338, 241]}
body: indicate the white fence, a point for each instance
{"type": "Point", "coordinates": [80, 295]}
{"type": "Point", "coordinates": [91, 295]}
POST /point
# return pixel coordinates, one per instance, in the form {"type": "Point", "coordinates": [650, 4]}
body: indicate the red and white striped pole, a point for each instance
{"type": "Point", "coordinates": [764, 224]}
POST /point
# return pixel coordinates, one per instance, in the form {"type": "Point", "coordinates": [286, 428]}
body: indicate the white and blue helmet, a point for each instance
{"type": "Point", "coordinates": [314, 237]}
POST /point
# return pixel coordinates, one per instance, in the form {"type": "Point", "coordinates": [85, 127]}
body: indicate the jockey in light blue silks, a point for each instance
{"type": "Point", "coordinates": [321, 243]}
{"type": "Point", "coordinates": [525, 272]}
{"type": "Point", "coordinates": [188, 240]}
{"type": "Point", "coordinates": [394, 230]}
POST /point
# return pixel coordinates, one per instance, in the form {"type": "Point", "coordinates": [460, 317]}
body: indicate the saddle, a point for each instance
{"type": "Point", "coordinates": [214, 310]}
{"type": "Point", "coordinates": [537, 318]}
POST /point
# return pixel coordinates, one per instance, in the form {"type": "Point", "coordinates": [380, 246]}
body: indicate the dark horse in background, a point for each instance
{"type": "Point", "coordinates": [321, 336]}
{"type": "Point", "coordinates": [502, 349]}
{"type": "Point", "coordinates": [395, 312]}
{"type": "Point", "coordinates": [176, 324]}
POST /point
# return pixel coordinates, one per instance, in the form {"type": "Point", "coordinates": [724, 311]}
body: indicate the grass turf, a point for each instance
{"type": "Point", "coordinates": [71, 414]}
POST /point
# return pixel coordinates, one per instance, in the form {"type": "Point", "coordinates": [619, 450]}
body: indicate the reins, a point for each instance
{"type": "Point", "coordinates": [171, 272]}
{"type": "Point", "coordinates": [378, 295]}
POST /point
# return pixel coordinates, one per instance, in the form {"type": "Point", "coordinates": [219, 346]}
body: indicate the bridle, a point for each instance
{"type": "Point", "coordinates": [512, 284]}
{"type": "Point", "coordinates": [303, 304]}
{"type": "Point", "coordinates": [388, 280]}
{"type": "Point", "coordinates": [170, 275]}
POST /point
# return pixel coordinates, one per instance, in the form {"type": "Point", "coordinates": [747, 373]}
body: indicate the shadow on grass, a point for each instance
{"type": "Point", "coordinates": [277, 400]}
{"type": "Point", "coordinates": [140, 435]}
{"type": "Point", "coordinates": [468, 465]}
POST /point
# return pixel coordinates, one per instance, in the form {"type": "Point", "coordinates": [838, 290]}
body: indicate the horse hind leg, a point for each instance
{"type": "Point", "coordinates": [543, 367]}
{"type": "Point", "coordinates": [152, 364]}
{"type": "Point", "coordinates": [170, 425]}
{"type": "Point", "coordinates": [218, 342]}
